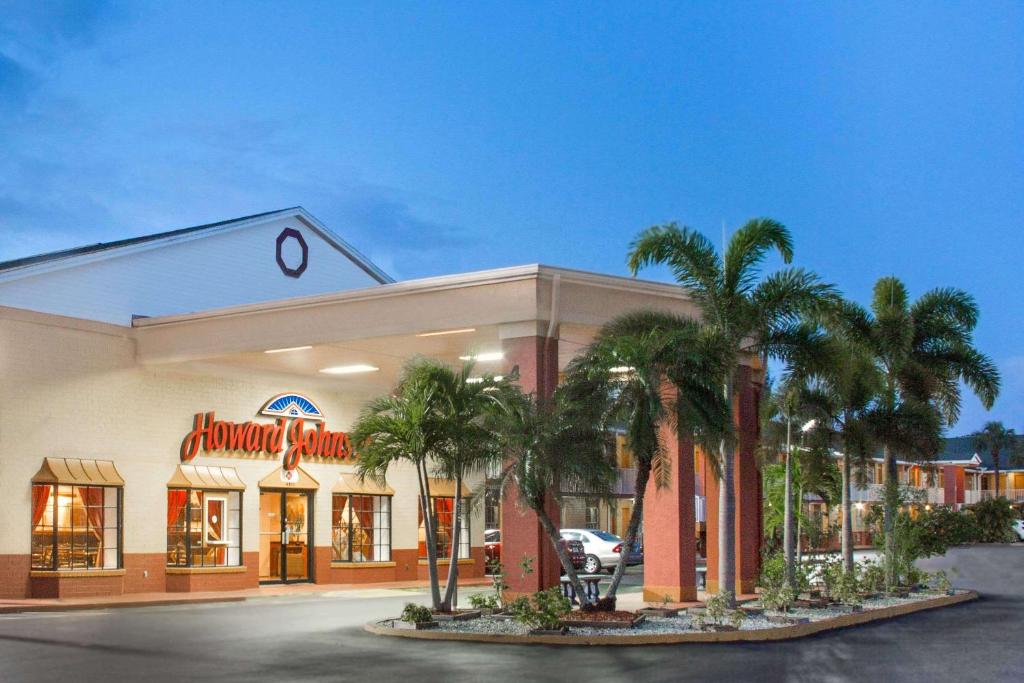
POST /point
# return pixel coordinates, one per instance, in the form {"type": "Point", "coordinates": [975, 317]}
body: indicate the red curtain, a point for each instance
{"type": "Point", "coordinates": [40, 496]}
{"type": "Point", "coordinates": [176, 499]}
{"type": "Point", "coordinates": [93, 498]}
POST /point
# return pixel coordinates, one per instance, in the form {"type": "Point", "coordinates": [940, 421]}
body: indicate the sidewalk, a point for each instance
{"type": "Point", "coordinates": [160, 599]}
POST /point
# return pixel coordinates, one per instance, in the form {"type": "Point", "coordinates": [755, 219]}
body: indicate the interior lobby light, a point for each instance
{"type": "Point", "coordinates": [621, 369]}
{"type": "Point", "coordinates": [286, 350]}
{"type": "Point", "coordinates": [438, 333]}
{"type": "Point", "coordinates": [477, 380]}
{"type": "Point", "coordinates": [349, 369]}
{"type": "Point", "coordinates": [485, 357]}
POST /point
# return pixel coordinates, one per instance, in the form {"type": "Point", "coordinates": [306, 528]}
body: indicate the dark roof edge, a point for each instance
{"type": "Point", "coordinates": [116, 244]}
{"type": "Point", "coordinates": [344, 247]}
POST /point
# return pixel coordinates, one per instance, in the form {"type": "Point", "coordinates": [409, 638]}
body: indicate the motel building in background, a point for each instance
{"type": "Point", "coordinates": [175, 410]}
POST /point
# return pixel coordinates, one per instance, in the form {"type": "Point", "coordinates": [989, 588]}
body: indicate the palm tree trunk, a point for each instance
{"type": "Point", "coordinates": [643, 474]}
{"type": "Point", "coordinates": [563, 556]}
{"type": "Point", "coordinates": [787, 510]}
{"type": "Point", "coordinates": [892, 496]}
{"type": "Point", "coordinates": [727, 512]}
{"type": "Point", "coordinates": [429, 533]}
{"type": "Point", "coordinates": [847, 529]}
{"type": "Point", "coordinates": [453, 567]}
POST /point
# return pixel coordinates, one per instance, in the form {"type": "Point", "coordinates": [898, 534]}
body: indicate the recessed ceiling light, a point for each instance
{"type": "Point", "coordinates": [290, 348]}
{"type": "Point", "coordinates": [484, 357]}
{"type": "Point", "coordinates": [349, 369]}
{"type": "Point", "coordinates": [621, 369]}
{"type": "Point", "coordinates": [477, 380]}
{"type": "Point", "coordinates": [438, 333]}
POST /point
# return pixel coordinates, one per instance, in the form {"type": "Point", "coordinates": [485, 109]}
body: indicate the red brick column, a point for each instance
{"type": "Point", "coordinates": [953, 485]}
{"type": "Point", "coordinates": [747, 481]}
{"type": "Point", "coordinates": [748, 487]}
{"type": "Point", "coordinates": [521, 531]}
{"type": "Point", "coordinates": [670, 547]}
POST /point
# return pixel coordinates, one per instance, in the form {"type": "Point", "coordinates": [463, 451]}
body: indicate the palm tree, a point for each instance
{"type": "Point", "coordinates": [404, 427]}
{"type": "Point", "coordinates": [628, 367]}
{"type": "Point", "coordinates": [547, 446]}
{"type": "Point", "coordinates": [466, 446]}
{"type": "Point", "coordinates": [755, 316]}
{"type": "Point", "coordinates": [840, 396]}
{"type": "Point", "coordinates": [923, 351]}
{"type": "Point", "coordinates": [996, 440]}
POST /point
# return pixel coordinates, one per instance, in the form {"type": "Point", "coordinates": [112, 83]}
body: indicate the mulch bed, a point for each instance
{"type": "Point", "coordinates": [615, 619]}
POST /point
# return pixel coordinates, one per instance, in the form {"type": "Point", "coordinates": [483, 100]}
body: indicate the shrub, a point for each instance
{"type": "Point", "coordinates": [776, 594]}
{"type": "Point", "coordinates": [544, 610]}
{"type": "Point", "coordinates": [944, 527]}
{"type": "Point", "coordinates": [777, 598]}
{"type": "Point", "coordinates": [484, 601]}
{"type": "Point", "coordinates": [940, 582]}
{"type": "Point", "coordinates": [872, 576]}
{"type": "Point", "coordinates": [994, 518]}
{"type": "Point", "coordinates": [717, 606]}
{"type": "Point", "coordinates": [416, 614]}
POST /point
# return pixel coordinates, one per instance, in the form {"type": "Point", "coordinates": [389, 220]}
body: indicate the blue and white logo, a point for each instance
{"type": "Point", "coordinates": [292, 405]}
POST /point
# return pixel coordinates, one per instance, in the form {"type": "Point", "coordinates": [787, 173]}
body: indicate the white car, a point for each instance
{"type": "Point", "coordinates": [602, 548]}
{"type": "Point", "coordinates": [1018, 528]}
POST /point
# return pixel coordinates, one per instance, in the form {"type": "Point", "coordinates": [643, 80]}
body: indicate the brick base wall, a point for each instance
{"type": "Point", "coordinates": [466, 570]}
{"type": "Point", "coordinates": [218, 581]}
{"type": "Point", "coordinates": [14, 576]}
{"type": "Point", "coordinates": [71, 586]}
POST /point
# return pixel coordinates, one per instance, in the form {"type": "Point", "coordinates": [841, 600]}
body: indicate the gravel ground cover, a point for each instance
{"type": "Point", "coordinates": [679, 624]}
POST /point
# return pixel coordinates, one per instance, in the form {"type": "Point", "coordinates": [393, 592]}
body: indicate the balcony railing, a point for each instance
{"type": "Point", "coordinates": [976, 495]}
{"type": "Point", "coordinates": [625, 482]}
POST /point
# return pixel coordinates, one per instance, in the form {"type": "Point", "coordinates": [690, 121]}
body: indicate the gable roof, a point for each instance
{"type": "Point", "coordinates": [961, 448]}
{"type": "Point", "coordinates": [71, 255]}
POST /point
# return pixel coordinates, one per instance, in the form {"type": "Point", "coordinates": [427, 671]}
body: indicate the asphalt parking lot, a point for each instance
{"type": "Point", "coordinates": [320, 638]}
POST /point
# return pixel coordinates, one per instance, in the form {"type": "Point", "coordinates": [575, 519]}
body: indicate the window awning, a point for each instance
{"type": "Point", "coordinates": [78, 471]}
{"type": "Point", "coordinates": [206, 477]}
{"type": "Point", "coordinates": [297, 479]}
{"type": "Point", "coordinates": [350, 483]}
{"type": "Point", "coordinates": [445, 488]}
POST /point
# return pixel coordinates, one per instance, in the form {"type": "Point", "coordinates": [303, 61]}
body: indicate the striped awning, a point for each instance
{"type": "Point", "coordinates": [78, 471]}
{"type": "Point", "coordinates": [445, 488]}
{"type": "Point", "coordinates": [206, 477]}
{"type": "Point", "coordinates": [350, 483]}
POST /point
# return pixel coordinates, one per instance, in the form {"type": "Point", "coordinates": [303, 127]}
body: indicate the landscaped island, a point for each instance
{"type": "Point", "coordinates": [690, 625]}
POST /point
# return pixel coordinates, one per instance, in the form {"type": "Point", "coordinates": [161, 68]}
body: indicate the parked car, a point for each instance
{"type": "Point", "coordinates": [492, 546]}
{"type": "Point", "coordinates": [1018, 528]}
{"type": "Point", "coordinates": [603, 549]}
{"type": "Point", "coordinates": [576, 553]}
{"type": "Point", "coordinates": [492, 549]}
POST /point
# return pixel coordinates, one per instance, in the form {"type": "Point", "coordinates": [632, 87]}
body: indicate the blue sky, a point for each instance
{"type": "Point", "coordinates": [447, 137]}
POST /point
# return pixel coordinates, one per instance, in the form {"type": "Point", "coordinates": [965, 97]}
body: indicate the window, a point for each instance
{"type": "Point", "coordinates": [204, 528]}
{"type": "Point", "coordinates": [593, 514]}
{"type": "Point", "coordinates": [492, 508]}
{"type": "Point", "coordinates": [360, 528]}
{"type": "Point", "coordinates": [76, 527]}
{"type": "Point", "coordinates": [444, 510]}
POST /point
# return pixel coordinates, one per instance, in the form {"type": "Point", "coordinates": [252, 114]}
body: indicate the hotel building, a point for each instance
{"type": "Point", "coordinates": [175, 409]}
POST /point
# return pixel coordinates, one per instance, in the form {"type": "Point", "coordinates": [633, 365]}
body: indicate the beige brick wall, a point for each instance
{"type": "Point", "coordinates": [75, 390]}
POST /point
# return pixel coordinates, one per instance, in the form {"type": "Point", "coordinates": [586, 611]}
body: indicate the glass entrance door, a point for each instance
{"type": "Point", "coordinates": [285, 535]}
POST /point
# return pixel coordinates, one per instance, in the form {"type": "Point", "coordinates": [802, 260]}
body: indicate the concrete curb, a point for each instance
{"type": "Point", "coordinates": [18, 609]}
{"type": "Point", "coordinates": [760, 635]}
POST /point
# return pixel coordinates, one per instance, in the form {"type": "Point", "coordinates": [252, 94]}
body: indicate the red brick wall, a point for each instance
{"type": "Point", "coordinates": [14, 576]}
{"type": "Point", "coordinates": [466, 571]}
{"type": "Point", "coordinates": [218, 581]}
{"type": "Point", "coordinates": [144, 572]}
{"type": "Point", "coordinates": [71, 586]}
{"type": "Point", "coordinates": [405, 569]}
